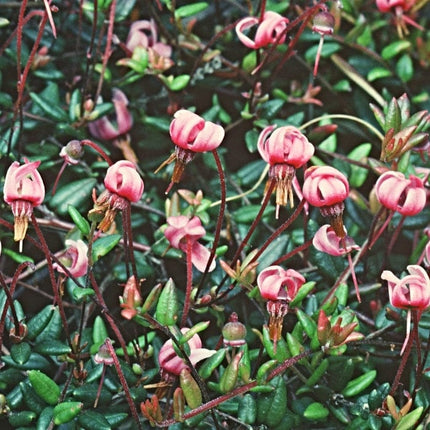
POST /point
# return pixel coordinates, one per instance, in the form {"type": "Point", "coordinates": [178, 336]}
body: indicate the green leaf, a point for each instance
{"type": "Point", "coordinates": [49, 107]}
{"type": "Point", "coordinates": [395, 48]}
{"type": "Point", "coordinates": [20, 352]}
{"type": "Point", "coordinates": [359, 174]}
{"type": "Point", "coordinates": [93, 420]}
{"type": "Point", "coordinates": [104, 245]}
{"type": "Point", "coordinates": [45, 387]}
{"type": "Point", "coordinates": [378, 73]}
{"type": "Point", "coordinates": [74, 193]}
{"type": "Point", "coordinates": [357, 385]}
{"type": "Point", "coordinates": [189, 10]}
{"type": "Point", "coordinates": [16, 256]}
{"type": "Point", "coordinates": [179, 82]}
{"type": "Point", "coordinates": [80, 222]}
{"type": "Point", "coordinates": [316, 411]}
{"type": "Point", "coordinates": [66, 411]}
{"type": "Point", "coordinates": [409, 420]}
{"type": "Point", "coordinates": [405, 68]}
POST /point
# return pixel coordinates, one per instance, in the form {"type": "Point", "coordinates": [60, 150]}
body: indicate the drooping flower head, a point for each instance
{"type": "Point", "coordinates": [326, 240]}
{"type": "Point", "coordinates": [172, 364]}
{"type": "Point", "coordinates": [106, 129]}
{"type": "Point", "coordinates": [399, 8]}
{"type": "Point", "coordinates": [285, 149]}
{"type": "Point", "coordinates": [181, 230]}
{"type": "Point", "coordinates": [397, 193]}
{"type": "Point", "coordinates": [327, 188]}
{"type": "Point", "coordinates": [191, 134]}
{"type": "Point", "coordinates": [74, 258]}
{"type": "Point", "coordinates": [270, 29]}
{"type": "Point", "coordinates": [143, 33]}
{"type": "Point", "coordinates": [23, 190]}
{"type": "Point", "coordinates": [279, 287]}
{"type": "Point", "coordinates": [123, 186]}
{"type": "Point", "coordinates": [412, 292]}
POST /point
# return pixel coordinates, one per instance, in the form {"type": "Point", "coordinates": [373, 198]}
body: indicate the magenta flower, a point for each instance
{"type": "Point", "coordinates": [74, 258]}
{"type": "Point", "coordinates": [286, 149]}
{"type": "Point", "coordinates": [143, 33]}
{"type": "Point", "coordinates": [395, 192]}
{"type": "Point", "coordinates": [123, 186]}
{"type": "Point", "coordinates": [23, 190]}
{"type": "Point", "coordinates": [172, 364]}
{"type": "Point", "coordinates": [279, 287]}
{"type": "Point", "coordinates": [327, 188]}
{"type": "Point", "coordinates": [271, 29]}
{"type": "Point", "coordinates": [191, 134]}
{"type": "Point", "coordinates": [398, 8]}
{"type": "Point", "coordinates": [411, 293]}
{"type": "Point", "coordinates": [105, 129]}
{"type": "Point", "coordinates": [182, 229]}
{"type": "Point", "coordinates": [389, 5]}
{"type": "Point", "coordinates": [326, 240]}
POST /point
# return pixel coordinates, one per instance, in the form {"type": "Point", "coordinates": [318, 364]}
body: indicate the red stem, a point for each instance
{"type": "Point", "coordinates": [189, 284]}
{"type": "Point", "coordinates": [123, 381]}
{"type": "Point", "coordinates": [97, 148]}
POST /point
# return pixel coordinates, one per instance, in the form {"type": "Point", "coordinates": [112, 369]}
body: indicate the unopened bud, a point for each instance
{"type": "Point", "coordinates": [72, 152]}
{"type": "Point", "coordinates": [323, 23]}
{"type": "Point", "coordinates": [234, 332]}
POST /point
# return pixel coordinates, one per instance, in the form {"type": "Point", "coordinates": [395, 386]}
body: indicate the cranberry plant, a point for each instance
{"type": "Point", "coordinates": [214, 214]}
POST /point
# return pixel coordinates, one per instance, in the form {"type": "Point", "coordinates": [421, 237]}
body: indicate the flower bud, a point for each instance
{"type": "Point", "coordinates": [234, 332]}
{"type": "Point", "coordinates": [323, 23]}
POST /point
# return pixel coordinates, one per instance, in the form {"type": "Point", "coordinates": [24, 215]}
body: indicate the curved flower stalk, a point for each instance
{"type": "Point", "coordinates": [279, 287]}
{"type": "Point", "coordinates": [285, 150]}
{"type": "Point", "coordinates": [74, 258]}
{"type": "Point", "coordinates": [270, 30]}
{"type": "Point", "coordinates": [123, 186]}
{"type": "Point", "coordinates": [412, 293]}
{"type": "Point", "coordinates": [327, 188]}
{"type": "Point", "coordinates": [191, 134]}
{"type": "Point", "coordinates": [23, 190]}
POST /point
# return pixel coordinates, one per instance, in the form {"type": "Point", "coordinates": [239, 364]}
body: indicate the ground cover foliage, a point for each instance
{"type": "Point", "coordinates": [214, 214]}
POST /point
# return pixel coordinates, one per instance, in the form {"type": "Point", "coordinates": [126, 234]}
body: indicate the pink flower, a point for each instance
{"type": "Point", "coordinates": [190, 131]}
{"type": "Point", "coordinates": [279, 287]}
{"type": "Point", "coordinates": [276, 283]}
{"type": "Point", "coordinates": [172, 364]}
{"type": "Point", "coordinates": [74, 258]}
{"type": "Point", "coordinates": [326, 188]}
{"type": "Point", "coordinates": [395, 192]}
{"type": "Point", "coordinates": [182, 229]}
{"type": "Point", "coordinates": [326, 240]}
{"type": "Point", "coordinates": [143, 33]}
{"type": "Point", "coordinates": [123, 179]}
{"type": "Point", "coordinates": [123, 185]}
{"type": "Point", "coordinates": [389, 5]}
{"type": "Point", "coordinates": [23, 190]}
{"type": "Point", "coordinates": [411, 292]}
{"type": "Point", "coordinates": [269, 30]}
{"type": "Point", "coordinates": [286, 149]}
{"type": "Point", "coordinates": [104, 129]}
{"type": "Point", "coordinates": [191, 134]}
